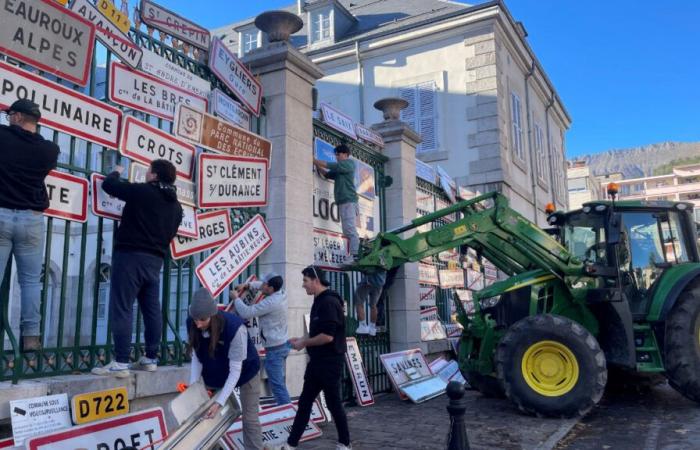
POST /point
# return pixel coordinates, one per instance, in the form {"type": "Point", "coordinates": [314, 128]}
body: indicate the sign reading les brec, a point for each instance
{"type": "Point", "coordinates": [48, 37]}
{"type": "Point", "coordinates": [68, 196]}
{"type": "Point", "coordinates": [165, 20]}
{"type": "Point", "coordinates": [229, 69]}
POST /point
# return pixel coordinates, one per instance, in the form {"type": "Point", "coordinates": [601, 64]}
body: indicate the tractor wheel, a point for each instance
{"type": "Point", "coordinates": [682, 344]}
{"type": "Point", "coordinates": [487, 385]}
{"type": "Point", "coordinates": [551, 366]}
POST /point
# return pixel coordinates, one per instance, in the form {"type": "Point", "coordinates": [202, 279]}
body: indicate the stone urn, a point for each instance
{"type": "Point", "coordinates": [278, 25]}
{"type": "Point", "coordinates": [391, 107]}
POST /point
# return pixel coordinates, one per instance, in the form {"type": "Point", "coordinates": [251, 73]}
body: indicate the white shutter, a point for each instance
{"type": "Point", "coordinates": [427, 99]}
{"type": "Point", "coordinates": [408, 114]}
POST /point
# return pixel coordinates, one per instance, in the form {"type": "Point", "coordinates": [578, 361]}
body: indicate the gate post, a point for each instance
{"type": "Point", "coordinates": [400, 143]}
{"type": "Point", "coordinates": [288, 77]}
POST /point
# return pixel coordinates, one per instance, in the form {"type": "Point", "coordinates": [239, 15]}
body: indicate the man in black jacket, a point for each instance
{"type": "Point", "coordinates": [25, 160]}
{"type": "Point", "coordinates": [326, 348]}
{"type": "Point", "coordinates": [150, 220]}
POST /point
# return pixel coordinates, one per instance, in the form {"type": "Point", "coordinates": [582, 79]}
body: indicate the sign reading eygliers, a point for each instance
{"type": "Point", "coordinates": [229, 69]}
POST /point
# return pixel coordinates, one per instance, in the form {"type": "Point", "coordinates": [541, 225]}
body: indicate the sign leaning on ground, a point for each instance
{"type": "Point", "coordinates": [353, 358]}
{"type": "Point", "coordinates": [36, 416]}
{"type": "Point", "coordinates": [99, 405]}
{"type": "Point", "coordinates": [62, 108]}
{"type": "Point", "coordinates": [48, 37]}
{"type": "Point", "coordinates": [231, 71]}
{"type": "Point", "coordinates": [404, 366]}
{"type": "Point", "coordinates": [338, 120]}
{"type": "Point", "coordinates": [68, 196]}
{"type": "Point", "coordinates": [114, 15]}
{"type": "Point", "coordinates": [214, 229]}
{"type": "Point", "coordinates": [227, 108]}
{"type": "Point", "coordinates": [185, 188]}
{"type": "Point", "coordinates": [165, 20]}
{"type": "Point", "coordinates": [225, 264]}
{"type": "Point", "coordinates": [172, 73]}
{"type": "Point", "coordinates": [103, 204]}
{"type": "Point", "coordinates": [109, 34]}
{"type": "Point", "coordinates": [205, 130]}
{"type": "Point", "coordinates": [231, 181]}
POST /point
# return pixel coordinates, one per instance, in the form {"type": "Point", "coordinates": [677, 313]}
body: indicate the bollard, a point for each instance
{"type": "Point", "coordinates": [457, 436]}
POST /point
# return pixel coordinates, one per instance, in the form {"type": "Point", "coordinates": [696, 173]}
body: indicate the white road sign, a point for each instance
{"type": "Point", "coordinates": [103, 204]}
{"type": "Point", "coordinates": [338, 120]}
{"type": "Point", "coordinates": [369, 135]}
{"type": "Point", "coordinates": [353, 358]}
{"type": "Point", "coordinates": [235, 75]}
{"type": "Point", "coordinates": [428, 274]}
{"type": "Point", "coordinates": [68, 196]}
{"type": "Point", "coordinates": [163, 19]}
{"type": "Point", "coordinates": [188, 226]}
{"type": "Point", "coordinates": [405, 366]}
{"type": "Point", "coordinates": [174, 74]}
{"type": "Point", "coordinates": [450, 278]}
{"type": "Point", "coordinates": [227, 108]}
{"type": "Point", "coordinates": [185, 188]}
{"type": "Point", "coordinates": [39, 415]}
{"type": "Point", "coordinates": [276, 424]}
{"type": "Point", "coordinates": [330, 249]}
{"type": "Point", "coordinates": [231, 181]}
{"type": "Point", "coordinates": [214, 229]}
{"type": "Point", "coordinates": [428, 295]}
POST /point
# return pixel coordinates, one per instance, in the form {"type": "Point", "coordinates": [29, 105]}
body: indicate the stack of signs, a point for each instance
{"type": "Point", "coordinates": [447, 370]}
{"type": "Point", "coordinates": [276, 424]}
{"type": "Point", "coordinates": [353, 358]}
{"type": "Point", "coordinates": [411, 376]}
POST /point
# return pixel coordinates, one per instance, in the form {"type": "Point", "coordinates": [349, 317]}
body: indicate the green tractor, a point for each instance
{"type": "Point", "coordinates": [614, 284]}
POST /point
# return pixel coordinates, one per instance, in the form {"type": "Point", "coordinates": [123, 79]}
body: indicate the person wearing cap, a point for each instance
{"type": "Point", "coordinates": [326, 348]}
{"type": "Point", "coordinates": [225, 357]}
{"type": "Point", "coordinates": [369, 289]}
{"type": "Point", "coordinates": [271, 312]}
{"type": "Point", "coordinates": [344, 193]}
{"type": "Point", "coordinates": [26, 158]}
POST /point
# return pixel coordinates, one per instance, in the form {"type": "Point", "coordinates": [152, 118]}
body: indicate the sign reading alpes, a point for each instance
{"type": "Point", "coordinates": [167, 21]}
{"type": "Point", "coordinates": [229, 69]}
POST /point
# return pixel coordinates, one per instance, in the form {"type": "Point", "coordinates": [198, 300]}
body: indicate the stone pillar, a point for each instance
{"type": "Point", "coordinates": [287, 77]}
{"type": "Point", "coordinates": [400, 199]}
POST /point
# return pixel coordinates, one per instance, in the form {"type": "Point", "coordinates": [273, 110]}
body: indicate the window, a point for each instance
{"type": "Point", "coordinates": [421, 113]}
{"type": "Point", "coordinates": [321, 26]}
{"type": "Point", "coordinates": [540, 154]}
{"type": "Point", "coordinates": [250, 40]}
{"type": "Point", "coordinates": [517, 132]}
{"type": "Point", "coordinates": [577, 185]}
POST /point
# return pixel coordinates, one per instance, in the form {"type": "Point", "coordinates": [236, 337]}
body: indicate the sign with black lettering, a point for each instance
{"type": "Point", "coordinates": [146, 93]}
{"type": "Point", "coordinates": [428, 274]}
{"type": "Point", "coordinates": [165, 20]}
{"type": "Point", "coordinates": [68, 196]}
{"type": "Point", "coordinates": [475, 280]}
{"type": "Point", "coordinates": [234, 256]}
{"type": "Point", "coordinates": [98, 405]}
{"type": "Point", "coordinates": [353, 358]}
{"type": "Point", "coordinates": [432, 330]}
{"type": "Point", "coordinates": [331, 249]}
{"type": "Point", "coordinates": [214, 229]}
{"type": "Point", "coordinates": [234, 74]}
{"type": "Point", "coordinates": [227, 108]}
{"type": "Point", "coordinates": [103, 204]}
{"type": "Point", "coordinates": [108, 33]}
{"type": "Point", "coordinates": [318, 415]}
{"type": "Point", "coordinates": [276, 424]}
{"type": "Point", "coordinates": [231, 181]}
{"type": "Point", "coordinates": [119, 18]}
{"type": "Point", "coordinates": [369, 135]}
{"type": "Point", "coordinates": [62, 108]}
{"type": "Point", "coordinates": [429, 314]}
{"type": "Point", "coordinates": [145, 143]}
{"type": "Point", "coordinates": [174, 74]}
{"type": "Point", "coordinates": [450, 278]}
{"type": "Point", "coordinates": [428, 296]}
{"type": "Point", "coordinates": [185, 188]}
{"type": "Point", "coordinates": [36, 416]}
{"type": "Point", "coordinates": [188, 225]}
{"type": "Point", "coordinates": [338, 120]}
{"type": "Point", "coordinates": [405, 366]}
{"type": "Point", "coordinates": [48, 37]}
{"type": "Point", "coordinates": [139, 429]}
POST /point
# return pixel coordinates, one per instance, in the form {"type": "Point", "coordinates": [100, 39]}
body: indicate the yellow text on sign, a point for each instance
{"type": "Point", "coordinates": [116, 16]}
{"type": "Point", "coordinates": [62, 2]}
{"type": "Point", "coordinates": [99, 405]}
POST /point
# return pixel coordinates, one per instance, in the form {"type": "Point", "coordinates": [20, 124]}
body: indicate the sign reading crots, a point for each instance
{"type": "Point", "coordinates": [62, 108]}
{"type": "Point", "coordinates": [145, 143]}
{"type": "Point", "coordinates": [119, 18]}
{"type": "Point", "coordinates": [336, 119]}
{"type": "Point", "coordinates": [108, 33]}
{"type": "Point", "coordinates": [103, 204]}
{"type": "Point", "coordinates": [165, 20]}
{"type": "Point", "coordinates": [146, 93]}
{"type": "Point", "coordinates": [212, 133]}
{"type": "Point", "coordinates": [214, 229]}
{"type": "Point", "coordinates": [330, 249]}
{"type": "Point", "coordinates": [68, 196]}
{"type": "Point", "coordinates": [172, 73]}
{"type": "Point", "coordinates": [231, 71]}
{"type": "Point", "coordinates": [48, 37]}
{"type": "Point", "coordinates": [185, 188]}
{"type": "Point", "coordinates": [353, 358]}
{"type": "Point", "coordinates": [188, 225]}
{"type": "Point", "coordinates": [227, 108]}
{"type": "Point", "coordinates": [231, 181]}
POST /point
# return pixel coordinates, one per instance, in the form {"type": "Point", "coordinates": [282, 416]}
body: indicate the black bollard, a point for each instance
{"type": "Point", "coordinates": [457, 436]}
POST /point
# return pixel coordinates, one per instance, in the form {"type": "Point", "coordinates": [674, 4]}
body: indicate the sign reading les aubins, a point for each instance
{"type": "Point", "coordinates": [235, 75]}
{"type": "Point", "coordinates": [48, 37]}
{"type": "Point", "coordinates": [165, 20]}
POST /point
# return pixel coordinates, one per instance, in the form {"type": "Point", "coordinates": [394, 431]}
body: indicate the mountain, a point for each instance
{"type": "Point", "coordinates": [642, 161]}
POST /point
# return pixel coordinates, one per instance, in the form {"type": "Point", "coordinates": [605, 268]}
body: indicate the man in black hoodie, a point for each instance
{"type": "Point", "coordinates": [150, 220]}
{"type": "Point", "coordinates": [326, 348]}
{"type": "Point", "coordinates": [25, 160]}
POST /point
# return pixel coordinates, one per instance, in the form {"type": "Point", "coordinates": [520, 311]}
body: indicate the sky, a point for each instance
{"type": "Point", "coordinates": [627, 71]}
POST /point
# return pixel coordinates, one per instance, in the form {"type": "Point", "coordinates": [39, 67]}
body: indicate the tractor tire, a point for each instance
{"type": "Point", "coordinates": [487, 385]}
{"type": "Point", "coordinates": [551, 366]}
{"type": "Point", "coordinates": [682, 344]}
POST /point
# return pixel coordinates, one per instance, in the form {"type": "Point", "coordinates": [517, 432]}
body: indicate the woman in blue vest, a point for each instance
{"type": "Point", "coordinates": [225, 357]}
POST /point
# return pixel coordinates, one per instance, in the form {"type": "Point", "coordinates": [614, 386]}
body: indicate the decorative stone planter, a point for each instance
{"type": "Point", "coordinates": [278, 25]}
{"type": "Point", "coordinates": [391, 107]}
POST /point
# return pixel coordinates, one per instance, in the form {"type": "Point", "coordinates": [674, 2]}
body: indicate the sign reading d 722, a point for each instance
{"type": "Point", "coordinates": [99, 405]}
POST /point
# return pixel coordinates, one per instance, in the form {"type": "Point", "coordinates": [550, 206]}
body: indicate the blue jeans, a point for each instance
{"type": "Point", "coordinates": [276, 366]}
{"type": "Point", "coordinates": [22, 235]}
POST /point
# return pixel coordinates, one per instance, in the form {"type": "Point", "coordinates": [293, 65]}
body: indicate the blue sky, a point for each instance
{"type": "Point", "coordinates": [627, 71]}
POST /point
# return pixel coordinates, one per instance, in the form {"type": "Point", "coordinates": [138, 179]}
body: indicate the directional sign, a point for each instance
{"type": "Point", "coordinates": [99, 405]}
{"type": "Point", "coordinates": [353, 358]}
{"type": "Point", "coordinates": [229, 69]}
{"type": "Point", "coordinates": [230, 181]}
{"type": "Point", "coordinates": [174, 74]}
{"type": "Point", "coordinates": [136, 430]}
{"type": "Point", "coordinates": [146, 93]}
{"type": "Point", "coordinates": [185, 188]}
{"type": "Point", "coordinates": [119, 18]}
{"type": "Point", "coordinates": [103, 204]}
{"type": "Point", "coordinates": [165, 20]}
{"type": "Point", "coordinates": [227, 108]}
{"type": "Point", "coordinates": [336, 119]}
{"type": "Point", "coordinates": [108, 33]}
{"type": "Point", "coordinates": [62, 108]}
{"type": "Point", "coordinates": [188, 225]}
{"type": "Point", "coordinates": [369, 135]}
{"type": "Point", "coordinates": [214, 229]}
{"type": "Point", "coordinates": [48, 37]}
{"type": "Point", "coordinates": [68, 196]}
{"type": "Point", "coordinates": [228, 261]}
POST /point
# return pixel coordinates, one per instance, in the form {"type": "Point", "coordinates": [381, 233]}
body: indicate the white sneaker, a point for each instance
{"type": "Point", "coordinates": [363, 329]}
{"type": "Point", "coordinates": [114, 369]}
{"type": "Point", "coordinates": [147, 364]}
{"type": "Point", "coordinates": [340, 446]}
{"type": "Point", "coordinates": [372, 329]}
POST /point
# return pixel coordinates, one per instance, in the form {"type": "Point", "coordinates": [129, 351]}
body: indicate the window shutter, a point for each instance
{"type": "Point", "coordinates": [427, 96]}
{"type": "Point", "coordinates": [408, 114]}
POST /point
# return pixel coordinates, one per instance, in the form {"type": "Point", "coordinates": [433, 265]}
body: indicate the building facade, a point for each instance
{"type": "Point", "coordinates": [582, 185]}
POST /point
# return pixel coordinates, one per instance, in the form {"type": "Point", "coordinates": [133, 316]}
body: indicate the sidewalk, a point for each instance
{"type": "Point", "coordinates": [394, 424]}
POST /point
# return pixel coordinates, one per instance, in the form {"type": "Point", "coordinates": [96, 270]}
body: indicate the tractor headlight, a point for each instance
{"type": "Point", "coordinates": [490, 302]}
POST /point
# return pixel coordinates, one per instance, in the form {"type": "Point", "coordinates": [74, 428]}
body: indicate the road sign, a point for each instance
{"type": "Point", "coordinates": [98, 405]}
{"type": "Point", "coordinates": [145, 143]}
{"type": "Point", "coordinates": [228, 261]}
{"type": "Point", "coordinates": [35, 416]}
{"type": "Point", "coordinates": [338, 120]}
{"type": "Point", "coordinates": [331, 249]}
{"type": "Point", "coordinates": [136, 429]}
{"type": "Point", "coordinates": [68, 196]}
{"type": "Point", "coordinates": [368, 135]}
{"type": "Point", "coordinates": [450, 278]}
{"type": "Point", "coordinates": [174, 74]}
{"type": "Point", "coordinates": [108, 33]}
{"type": "Point", "coordinates": [404, 366]}
{"type": "Point", "coordinates": [428, 274]}
{"type": "Point", "coordinates": [62, 108]}
{"type": "Point", "coordinates": [231, 181]}
{"type": "Point", "coordinates": [146, 93]}
{"type": "Point", "coordinates": [103, 204]}
{"type": "Point", "coordinates": [227, 108]}
{"type": "Point", "coordinates": [165, 20]}
{"type": "Point", "coordinates": [353, 358]}
{"type": "Point", "coordinates": [276, 424]}
{"type": "Point", "coordinates": [117, 17]}
{"type": "Point", "coordinates": [428, 295]}
{"type": "Point", "coordinates": [188, 225]}
{"type": "Point", "coordinates": [231, 71]}
{"type": "Point", "coordinates": [48, 37]}
{"type": "Point", "coordinates": [185, 188]}
{"type": "Point", "coordinates": [214, 229]}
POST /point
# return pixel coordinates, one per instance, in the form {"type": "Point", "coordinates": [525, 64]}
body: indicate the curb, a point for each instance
{"type": "Point", "coordinates": [561, 432]}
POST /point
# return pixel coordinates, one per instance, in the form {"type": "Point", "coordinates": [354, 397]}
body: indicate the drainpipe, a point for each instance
{"type": "Point", "coordinates": [549, 149]}
{"type": "Point", "coordinates": [533, 166]}
{"type": "Point", "coordinates": [361, 81]}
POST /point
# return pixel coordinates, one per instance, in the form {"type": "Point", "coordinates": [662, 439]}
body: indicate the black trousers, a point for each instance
{"type": "Point", "coordinates": [323, 375]}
